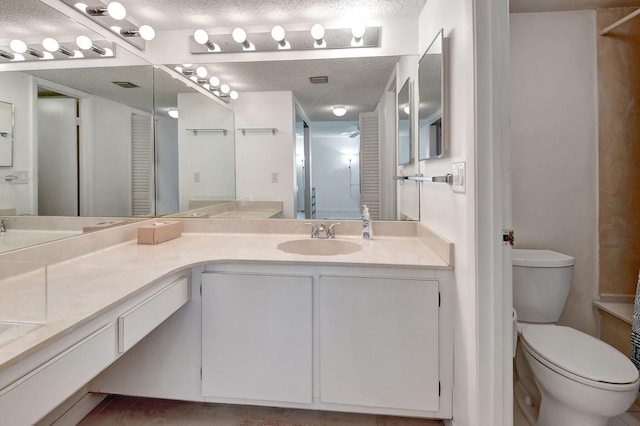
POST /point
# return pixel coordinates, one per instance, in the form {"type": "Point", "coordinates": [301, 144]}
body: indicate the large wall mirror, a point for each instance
{"type": "Point", "coordinates": [6, 134]}
{"type": "Point", "coordinates": [404, 124]}
{"type": "Point", "coordinates": [431, 104]}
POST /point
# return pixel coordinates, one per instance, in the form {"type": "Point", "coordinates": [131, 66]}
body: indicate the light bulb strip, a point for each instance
{"type": "Point", "coordinates": [32, 53]}
{"type": "Point", "coordinates": [332, 38]}
{"type": "Point", "coordinates": [211, 84]}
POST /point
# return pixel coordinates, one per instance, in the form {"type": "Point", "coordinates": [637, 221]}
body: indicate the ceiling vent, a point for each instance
{"type": "Point", "coordinates": [125, 84]}
{"type": "Point", "coordinates": [321, 79]}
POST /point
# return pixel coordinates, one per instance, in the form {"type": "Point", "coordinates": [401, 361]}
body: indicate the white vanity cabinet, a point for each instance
{"type": "Point", "coordinates": [257, 337]}
{"type": "Point", "coordinates": [379, 342]}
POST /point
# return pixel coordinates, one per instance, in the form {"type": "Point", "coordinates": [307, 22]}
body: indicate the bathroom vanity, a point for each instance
{"type": "Point", "coordinates": [224, 316]}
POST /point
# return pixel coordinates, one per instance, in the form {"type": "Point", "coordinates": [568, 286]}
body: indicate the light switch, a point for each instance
{"type": "Point", "coordinates": [459, 179]}
{"type": "Point", "coordinates": [196, 176]}
{"type": "Point", "coordinates": [274, 177]}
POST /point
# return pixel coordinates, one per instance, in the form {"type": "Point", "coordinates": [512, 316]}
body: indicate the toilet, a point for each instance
{"type": "Point", "coordinates": [571, 377]}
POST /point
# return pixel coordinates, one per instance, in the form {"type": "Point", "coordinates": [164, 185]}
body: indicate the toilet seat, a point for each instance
{"type": "Point", "coordinates": [579, 357]}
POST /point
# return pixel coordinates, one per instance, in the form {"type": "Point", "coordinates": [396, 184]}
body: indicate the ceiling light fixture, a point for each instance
{"type": "Point", "coordinates": [233, 95]}
{"type": "Point", "coordinates": [173, 113]}
{"type": "Point", "coordinates": [357, 32]}
{"type": "Point", "coordinates": [201, 72]}
{"type": "Point", "coordinates": [114, 9]}
{"type": "Point", "coordinates": [240, 36]}
{"type": "Point", "coordinates": [339, 110]}
{"type": "Point", "coordinates": [85, 43]}
{"type": "Point", "coordinates": [224, 88]}
{"type": "Point", "coordinates": [278, 33]}
{"type": "Point", "coordinates": [214, 82]}
{"type": "Point", "coordinates": [202, 37]}
{"type": "Point", "coordinates": [146, 32]}
{"type": "Point", "coordinates": [317, 32]}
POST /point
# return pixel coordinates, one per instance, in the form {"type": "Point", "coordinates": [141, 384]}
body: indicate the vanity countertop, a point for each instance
{"type": "Point", "coordinates": [81, 288]}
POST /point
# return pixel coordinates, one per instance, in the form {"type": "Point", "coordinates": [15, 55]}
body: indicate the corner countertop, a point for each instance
{"type": "Point", "coordinates": [82, 288]}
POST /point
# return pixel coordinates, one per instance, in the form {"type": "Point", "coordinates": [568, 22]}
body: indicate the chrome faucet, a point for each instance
{"type": "Point", "coordinates": [314, 230]}
{"type": "Point", "coordinates": [331, 234]}
{"type": "Point", "coordinates": [3, 225]}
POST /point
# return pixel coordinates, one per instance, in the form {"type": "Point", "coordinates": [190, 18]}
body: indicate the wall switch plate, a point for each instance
{"type": "Point", "coordinates": [196, 176]}
{"type": "Point", "coordinates": [22, 176]}
{"type": "Point", "coordinates": [459, 178]}
{"type": "Point", "coordinates": [274, 177]}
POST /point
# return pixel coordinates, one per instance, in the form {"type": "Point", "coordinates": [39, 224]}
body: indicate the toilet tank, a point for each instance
{"type": "Point", "coordinates": [541, 283]}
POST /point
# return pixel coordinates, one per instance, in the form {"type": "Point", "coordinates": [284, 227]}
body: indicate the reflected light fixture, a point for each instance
{"type": "Point", "coordinates": [233, 95]}
{"type": "Point", "coordinates": [51, 44]}
{"type": "Point", "coordinates": [357, 32]}
{"type": "Point", "coordinates": [225, 89]}
{"type": "Point", "coordinates": [339, 110]}
{"type": "Point", "coordinates": [240, 36]}
{"type": "Point", "coordinates": [278, 33]}
{"type": "Point", "coordinates": [214, 82]}
{"type": "Point", "coordinates": [7, 55]}
{"type": "Point", "coordinates": [173, 113]}
{"type": "Point", "coordinates": [202, 37]}
{"type": "Point", "coordinates": [407, 110]}
{"type": "Point", "coordinates": [19, 46]}
{"type": "Point", "coordinates": [317, 32]}
{"type": "Point", "coordinates": [85, 43]}
{"type": "Point", "coordinates": [201, 72]}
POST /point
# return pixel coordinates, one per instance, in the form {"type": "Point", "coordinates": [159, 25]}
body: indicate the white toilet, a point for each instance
{"type": "Point", "coordinates": [580, 380]}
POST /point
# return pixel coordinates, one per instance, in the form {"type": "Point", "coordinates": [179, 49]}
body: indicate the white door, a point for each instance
{"type": "Point", "coordinates": [57, 157]}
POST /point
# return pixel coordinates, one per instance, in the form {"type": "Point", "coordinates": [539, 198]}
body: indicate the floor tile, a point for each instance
{"type": "Point", "coordinates": [121, 410]}
{"type": "Point", "coordinates": [631, 418]}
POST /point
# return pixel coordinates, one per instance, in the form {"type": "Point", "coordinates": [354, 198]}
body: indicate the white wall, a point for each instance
{"type": "Point", "coordinates": [555, 146]}
{"type": "Point", "coordinates": [453, 215]}
{"type": "Point", "coordinates": [261, 154]}
{"type": "Point", "coordinates": [337, 185]}
{"type": "Point", "coordinates": [19, 89]}
{"type": "Point", "coordinates": [167, 154]}
{"type": "Point", "coordinates": [207, 154]}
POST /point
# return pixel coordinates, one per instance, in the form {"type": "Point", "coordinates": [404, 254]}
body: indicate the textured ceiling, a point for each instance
{"type": "Point", "coordinates": [555, 5]}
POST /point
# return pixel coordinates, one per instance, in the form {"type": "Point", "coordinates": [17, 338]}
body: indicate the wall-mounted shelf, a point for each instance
{"type": "Point", "coordinates": [195, 131]}
{"type": "Point", "coordinates": [271, 130]}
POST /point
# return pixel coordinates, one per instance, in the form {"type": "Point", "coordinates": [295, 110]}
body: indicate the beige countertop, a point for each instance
{"type": "Point", "coordinates": [81, 288]}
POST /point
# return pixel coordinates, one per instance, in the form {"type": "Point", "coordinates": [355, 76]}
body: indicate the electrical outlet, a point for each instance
{"type": "Point", "coordinates": [274, 177]}
{"type": "Point", "coordinates": [196, 176]}
{"type": "Point", "coordinates": [459, 179]}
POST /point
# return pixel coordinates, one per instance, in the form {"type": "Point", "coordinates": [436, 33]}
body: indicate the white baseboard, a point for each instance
{"type": "Point", "coordinates": [74, 409]}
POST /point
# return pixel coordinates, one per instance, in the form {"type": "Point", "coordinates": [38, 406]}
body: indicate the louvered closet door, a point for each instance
{"type": "Point", "coordinates": [369, 163]}
{"type": "Point", "coordinates": [141, 165]}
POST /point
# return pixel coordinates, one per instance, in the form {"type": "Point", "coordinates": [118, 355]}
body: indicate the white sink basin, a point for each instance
{"type": "Point", "coordinates": [319, 247]}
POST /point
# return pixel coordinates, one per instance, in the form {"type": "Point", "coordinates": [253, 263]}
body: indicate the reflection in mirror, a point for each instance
{"type": "Point", "coordinates": [92, 132]}
{"type": "Point", "coordinates": [404, 124]}
{"type": "Point", "coordinates": [6, 134]}
{"type": "Point", "coordinates": [431, 89]}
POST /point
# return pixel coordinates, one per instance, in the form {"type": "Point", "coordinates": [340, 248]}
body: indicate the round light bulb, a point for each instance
{"type": "Point", "coordinates": [317, 32]}
{"type": "Point", "coordinates": [278, 33]}
{"type": "Point", "coordinates": [225, 88]}
{"type": "Point", "coordinates": [81, 6]}
{"type": "Point", "coordinates": [84, 42]}
{"type": "Point", "coordinates": [147, 32]}
{"type": "Point", "coordinates": [407, 110]}
{"type": "Point", "coordinates": [18, 46]}
{"type": "Point", "coordinates": [201, 72]}
{"type": "Point", "coordinates": [233, 95]}
{"type": "Point", "coordinates": [214, 81]}
{"type": "Point", "coordinates": [201, 36]}
{"type": "Point", "coordinates": [47, 55]}
{"type": "Point", "coordinates": [358, 30]}
{"type": "Point", "coordinates": [239, 35]}
{"type": "Point", "coordinates": [116, 10]}
{"type": "Point", "coordinates": [339, 110]}
{"type": "Point", "coordinates": [50, 44]}
{"type": "Point", "coordinates": [173, 113]}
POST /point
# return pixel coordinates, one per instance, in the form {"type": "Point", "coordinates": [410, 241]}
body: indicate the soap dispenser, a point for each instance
{"type": "Point", "coordinates": [367, 229]}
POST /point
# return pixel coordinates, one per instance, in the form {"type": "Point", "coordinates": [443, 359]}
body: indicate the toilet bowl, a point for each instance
{"type": "Point", "coordinates": [582, 380]}
{"type": "Point", "coordinates": [571, 377]}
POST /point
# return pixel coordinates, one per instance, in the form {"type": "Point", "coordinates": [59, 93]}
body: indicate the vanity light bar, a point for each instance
{"type": "Point", "coordinates": [51, 49]}
{"type": "Point", "coordinates": [279, 39]}
{"type": "Point", "coordinates": [200, 75]}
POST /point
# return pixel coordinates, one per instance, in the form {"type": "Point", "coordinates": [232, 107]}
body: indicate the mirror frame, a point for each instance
{"type": "Point", "coordinates": [404, 100]}
{"type": "Point", "coordinates": [435, 121]}
{"type": "Point", "coordinates": [8, 137]}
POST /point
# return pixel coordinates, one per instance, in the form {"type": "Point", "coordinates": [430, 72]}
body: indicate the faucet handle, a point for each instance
{"type": "Point", "coordinates": [331, 233]}
{"type": "Point", "coordinates": [314, 230]}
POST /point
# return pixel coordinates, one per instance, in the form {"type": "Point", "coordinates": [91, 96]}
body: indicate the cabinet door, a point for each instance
{"type": "Point", "coordinates": [257, 337]}
{"type": "Point", "coordinates": [379, 342]}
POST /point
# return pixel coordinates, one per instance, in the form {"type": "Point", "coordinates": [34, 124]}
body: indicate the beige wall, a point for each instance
{"type": "Point", "coordinates": [554, 146]}
{"type": "Point", "coordinates": [619, 152]}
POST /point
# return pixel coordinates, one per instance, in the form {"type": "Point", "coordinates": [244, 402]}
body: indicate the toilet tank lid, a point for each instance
{"type": "Point", "coordinates": [580, 354]}
{"type": "Point", "coordinates": [540, 258]}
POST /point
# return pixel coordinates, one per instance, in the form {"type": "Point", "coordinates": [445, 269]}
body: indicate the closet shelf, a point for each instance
{"type": "Point", "coordinates": [272, 130]}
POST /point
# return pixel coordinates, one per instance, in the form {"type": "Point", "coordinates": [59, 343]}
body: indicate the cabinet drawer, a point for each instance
{"type": "Point", "coordinates": [140, 320]}
{"type": "Point", "coordinates": [36, 394]}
